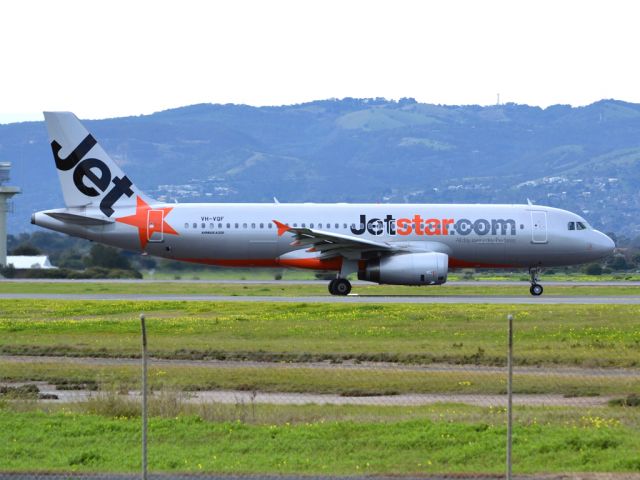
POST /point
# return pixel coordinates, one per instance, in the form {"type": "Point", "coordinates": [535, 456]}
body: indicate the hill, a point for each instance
{"type": "Point", "coordinates": [585, 159]}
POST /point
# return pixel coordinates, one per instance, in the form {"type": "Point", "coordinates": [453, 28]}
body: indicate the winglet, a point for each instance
{"type": "Point", "coordinates": [282, 228]}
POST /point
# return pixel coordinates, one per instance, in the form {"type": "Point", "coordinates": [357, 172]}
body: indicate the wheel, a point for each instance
{"type": "Point", "coordinates": [536, 290]}
{"type": "Point", "coordinates": [342, 286]}
{"type": "Point", "coordinates": [332, 287]}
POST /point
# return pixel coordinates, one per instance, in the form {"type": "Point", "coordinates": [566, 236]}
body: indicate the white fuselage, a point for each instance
{"type": "Point", "coordinates": [498, 236]}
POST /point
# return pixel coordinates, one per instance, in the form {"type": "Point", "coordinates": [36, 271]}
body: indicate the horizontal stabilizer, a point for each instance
{"type": "Point", "coordinates": [76, 219]}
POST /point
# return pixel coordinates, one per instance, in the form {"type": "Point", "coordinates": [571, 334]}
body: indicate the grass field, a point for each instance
{"type": "Point", "coordinates": [346, 382]}
{"type": "Point", "coordinates": [103, 433]}
{"type": "Point", "coordinates": [288, 290]}
{"type": "Point", "coordinates": [582, 335]}
{"type": "Point", "coordinates": [70, 441]}
{"type": "Point", "coordinates": [214, 273]}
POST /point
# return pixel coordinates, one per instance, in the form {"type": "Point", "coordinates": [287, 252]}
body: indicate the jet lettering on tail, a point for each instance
{"type": "Point", "coordinates": [86, 168]}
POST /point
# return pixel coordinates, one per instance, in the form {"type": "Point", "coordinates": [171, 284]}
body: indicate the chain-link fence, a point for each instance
{"type": "Point", "coordinates": [426, 398]}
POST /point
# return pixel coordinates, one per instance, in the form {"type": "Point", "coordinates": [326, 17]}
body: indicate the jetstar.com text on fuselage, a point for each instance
{"type": "Point", "coordinates": [433, 226]}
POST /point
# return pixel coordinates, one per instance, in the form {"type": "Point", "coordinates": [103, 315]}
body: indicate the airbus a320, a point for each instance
{"type": "Point", "coordinates": [397, 244]}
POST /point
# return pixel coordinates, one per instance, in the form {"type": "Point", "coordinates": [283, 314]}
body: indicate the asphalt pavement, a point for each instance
{"type": "Point", "coordinates": [350, 299]}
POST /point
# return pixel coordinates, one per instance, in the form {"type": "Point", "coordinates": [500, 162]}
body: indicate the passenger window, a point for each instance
{"type": "Point", "coordinates": [203, 225]}
{"type": "Point", "coordinates": [211, 226]}
{"type": "Point", "coordinates": [237, 225]}
{"type": "Point", "coordinates": [244, 225]}
{"type": "Point", "coordinates": [253, 225]}
{"type": "Point", "coordinates": [195, 225]}
{"type": "Point", "coordinates": [311, 225]}
{"type": "Point", "coordinates": [295, 225]}
{"type": "Point", "coordinates": [186, 225]}
{"type": "Point", "coordinates": [228, 225]}
{"type": "Point", "coordinates": [219, 225]}
{"type": "Point", "coordinates": [262, 225]}
{"type": "Point", "coordinates": [303, 225]}
{"type": "Point", "coordinates": [270, 226]}
{"type": "Point", "coordinates": [572, 226]}
{"type": "Point", "coordinates": [580, 226]}
{"type": "Point", "coordinates": [337, 226]}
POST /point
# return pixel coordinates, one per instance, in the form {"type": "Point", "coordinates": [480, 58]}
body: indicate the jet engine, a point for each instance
{"type": "Point", "coordinates": [428, 268]}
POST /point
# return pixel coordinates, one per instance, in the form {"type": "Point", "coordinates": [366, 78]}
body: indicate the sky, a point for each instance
{"type": "Point", "coordinates": [115, 58]}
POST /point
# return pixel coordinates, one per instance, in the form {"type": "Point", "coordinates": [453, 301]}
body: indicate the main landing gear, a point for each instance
{"type": "Point", "coordinates": [339, 286]}
{"type": "Point", "coordinates": [536, 289]}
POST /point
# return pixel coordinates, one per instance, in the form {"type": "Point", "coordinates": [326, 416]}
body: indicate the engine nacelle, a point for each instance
{"type": "Point", "coordinates": [428, 268]}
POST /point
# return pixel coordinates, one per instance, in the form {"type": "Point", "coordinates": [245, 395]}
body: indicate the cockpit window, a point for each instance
{"type": "Point", "coordinates": [577, 226]}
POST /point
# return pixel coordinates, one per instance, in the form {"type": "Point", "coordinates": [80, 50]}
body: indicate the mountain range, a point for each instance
{"type": "Point", "coordinates": [585, 159]}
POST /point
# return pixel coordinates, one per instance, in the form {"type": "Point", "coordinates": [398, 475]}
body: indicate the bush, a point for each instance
{"type": "Point", "coordinates": [593, 269]}
{"type": "Point", "coordinates": [90, 273]}
{"type": "Point", "coordinates": [632, 400]}
{"type": "Point", "coordinates": [8, 272]}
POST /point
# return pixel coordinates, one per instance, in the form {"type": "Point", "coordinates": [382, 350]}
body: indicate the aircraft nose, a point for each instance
{"type": "Point", "coordinates": [603, 245]}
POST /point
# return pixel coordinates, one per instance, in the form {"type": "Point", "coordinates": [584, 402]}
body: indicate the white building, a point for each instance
{"type": "Point", "coordinates": [29, 261]}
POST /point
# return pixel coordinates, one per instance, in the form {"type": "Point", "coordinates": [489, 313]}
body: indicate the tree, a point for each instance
{"type": "Point", "coordinates": [106, 257]}
{"type": "Point", "coordinates": [618, 262]}
{"type": "Point", "coordinates": [25, 249]}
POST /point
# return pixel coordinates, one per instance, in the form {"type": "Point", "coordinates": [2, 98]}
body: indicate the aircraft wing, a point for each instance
{"type": "Point", "coordinates": [330, 242]}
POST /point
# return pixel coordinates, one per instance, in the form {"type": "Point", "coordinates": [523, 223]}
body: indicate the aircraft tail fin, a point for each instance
{"type": "Point", "coordinates": [88, 176]}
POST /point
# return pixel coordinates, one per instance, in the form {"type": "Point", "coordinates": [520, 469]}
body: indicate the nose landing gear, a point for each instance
{"type": "Point", "coordinates": [339, 286]}
{"type": "Point", "coordinates": [535, 289]}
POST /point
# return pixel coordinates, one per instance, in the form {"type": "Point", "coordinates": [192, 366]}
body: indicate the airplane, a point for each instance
{"type": "Point", "coordinates": [397, 244]}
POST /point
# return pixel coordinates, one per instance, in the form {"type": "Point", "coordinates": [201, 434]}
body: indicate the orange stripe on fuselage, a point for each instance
{"type": "Point", "coordinates": [308, 263]}
{"type": "Point", "coordinates": [334, 264]}
{"type": "Point", "coordinates": [456, 263]}
{"type": "Point", "coordinates": [313, 263]}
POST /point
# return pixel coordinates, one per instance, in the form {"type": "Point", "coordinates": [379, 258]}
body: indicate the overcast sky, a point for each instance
{"type": "Point", "coordinates": [127, 57]}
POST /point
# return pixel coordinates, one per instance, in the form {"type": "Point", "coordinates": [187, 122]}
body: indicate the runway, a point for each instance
{"type": "Point", "coordinates": [351, 299]}
{"type": "Point", "coordinates": [323, 283]}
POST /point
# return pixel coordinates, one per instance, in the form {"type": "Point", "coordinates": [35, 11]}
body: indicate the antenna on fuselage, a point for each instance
{"type": "Point", "coordinates": [529, 202]}
{"type": "Point", "coordinates": [275, 200]}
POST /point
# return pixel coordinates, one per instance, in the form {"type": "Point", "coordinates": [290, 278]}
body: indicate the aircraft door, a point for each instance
{"type": "Point", "coordinates": [538, 226]}
{"type": "Point", "coordinates": [155, 225]}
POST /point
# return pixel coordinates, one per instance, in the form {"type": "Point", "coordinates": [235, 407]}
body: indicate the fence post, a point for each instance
{"type": "Point", "coordinates": [509, 395]}
{"type": "Point", "coordinates": [144, 397]}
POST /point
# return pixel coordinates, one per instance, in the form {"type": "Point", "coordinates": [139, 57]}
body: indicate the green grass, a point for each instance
{"type": "Point", "coordinates": [288, 290]}
{"type": "Point", "coordinates": [71, 441]}
{"type": "Point", "coordinates": [297, 274]}
{"type": "Point", "coordinates": [581, 335]}
{"type": "Point", "coordinates": [171, 404]}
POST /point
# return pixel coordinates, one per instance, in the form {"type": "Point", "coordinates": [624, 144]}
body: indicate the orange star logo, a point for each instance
{"type": "Point", "coordinates": [148, 221]}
